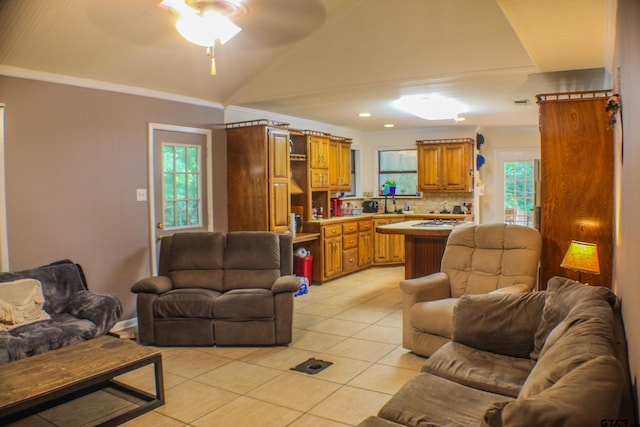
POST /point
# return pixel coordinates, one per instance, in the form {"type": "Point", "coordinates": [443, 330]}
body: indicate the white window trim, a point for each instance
{"type": "Point", "coordinates": [502, 156]}
{"type": "Point", "coordinates": [4, 243]}
{"type": "Point", "coordinates": [199, 225]}
{"type": "Point", "coordinates": [376, 169]}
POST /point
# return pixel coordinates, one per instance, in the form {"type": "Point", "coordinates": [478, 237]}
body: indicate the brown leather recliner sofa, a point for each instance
{"type": "Point", "coordinates": [218, 288]}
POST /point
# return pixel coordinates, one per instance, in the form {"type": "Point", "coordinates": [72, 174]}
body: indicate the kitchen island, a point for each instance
{"type": "Point", "coordinates": [424, 243]}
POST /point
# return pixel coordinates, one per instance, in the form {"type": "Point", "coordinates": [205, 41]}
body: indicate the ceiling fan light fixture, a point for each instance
{"type": "Point", "coordinates": [203, 22]}
{"type": "Point", "coordinates": [204, 29]}
{"type": "Point", "coordinates": [430, 107]}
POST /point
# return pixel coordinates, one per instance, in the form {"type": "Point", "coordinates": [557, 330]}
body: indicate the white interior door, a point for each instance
{"type": "Point", "coordinates": [180, 182]}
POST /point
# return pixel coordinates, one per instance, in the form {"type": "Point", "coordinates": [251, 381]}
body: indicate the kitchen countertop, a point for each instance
{"type": "Point", "coordinates": [403, 216]}
{"type": "Point", "coordinates": [410, 228]}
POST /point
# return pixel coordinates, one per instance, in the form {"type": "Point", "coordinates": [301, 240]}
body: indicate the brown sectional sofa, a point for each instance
{"type": "Point", "coordinates": [219, 288]}
{"type": "Point", "coordinates": [551, 358]}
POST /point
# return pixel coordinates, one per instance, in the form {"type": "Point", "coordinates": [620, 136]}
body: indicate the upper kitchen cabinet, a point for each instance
{"type": "Point", "coordinates": [445, 165]}
{"type": "Point", "coordinates": [258, 176]}
{"type": "Point", "coordinates": [577, 182]}
{"type": "Point", "coordinates": [318, 153]}
{"type": "Point", "coordinates": [339, 164]}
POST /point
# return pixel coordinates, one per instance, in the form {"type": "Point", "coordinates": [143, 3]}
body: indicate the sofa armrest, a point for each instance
{"type": "Point", "coordinates": [428, 288]}
{"type": "Point", "coordinates": [499, 323]}
{"type": "Point", "coordinates": [286, 284]}
{"type": "Point", "coordinates": [519, 288]}
{"type": "Point", "coordinates": [152, 285]}
{"type": "Point", "coordinates": [102, 309]}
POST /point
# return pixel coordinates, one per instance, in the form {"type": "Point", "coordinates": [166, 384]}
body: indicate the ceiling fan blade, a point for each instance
{"type": "Point", "coordinates": [277, 22]}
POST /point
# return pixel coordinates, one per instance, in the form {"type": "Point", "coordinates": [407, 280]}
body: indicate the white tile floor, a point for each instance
{"type": "Point", "coordinates": [354, 322]}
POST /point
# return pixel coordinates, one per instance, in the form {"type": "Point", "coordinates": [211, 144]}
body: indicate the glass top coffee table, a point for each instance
{"type": "Point", "coordinates": [45, 380]}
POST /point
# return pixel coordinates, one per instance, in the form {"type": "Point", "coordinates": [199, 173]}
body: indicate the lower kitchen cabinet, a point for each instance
{"type": "Point", "coordinates": [346, 244]}
{"type": "Point", "coordinates": [388, 248]}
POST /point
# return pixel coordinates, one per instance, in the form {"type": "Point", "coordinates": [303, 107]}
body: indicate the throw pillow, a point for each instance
{"type": "Point", "coordinates": [562, 295]}
{"type": "Point", "coordinates": [21, 302]}
{"type": "Point", "coordinates": [589, 393]}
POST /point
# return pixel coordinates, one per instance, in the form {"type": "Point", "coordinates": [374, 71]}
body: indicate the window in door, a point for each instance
{"type": "Point", "coordinates": [181, 186]}
{"type": "Point", "coordinates": [400, 166]}
{"type": "Point", "coordinates": [519, 192]}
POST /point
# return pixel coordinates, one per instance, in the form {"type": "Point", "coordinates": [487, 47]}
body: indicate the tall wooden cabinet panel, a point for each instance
{"type": "Point", "coordinates": [577, 175]}
{"type": "Point", "coordinates": [258, 172]}
{"type": "Point", "coordinates": [445, 165]}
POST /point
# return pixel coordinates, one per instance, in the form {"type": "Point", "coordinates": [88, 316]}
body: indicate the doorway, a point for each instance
{"type": "Point", "coordinates": [180, 183]}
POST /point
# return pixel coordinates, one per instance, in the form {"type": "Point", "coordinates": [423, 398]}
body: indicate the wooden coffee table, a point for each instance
{"type": "Point", "coordinates": [30, 385]}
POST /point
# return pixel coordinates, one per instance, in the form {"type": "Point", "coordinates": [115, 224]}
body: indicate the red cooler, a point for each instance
{"type": "Point", "coordinates": [303, 266]}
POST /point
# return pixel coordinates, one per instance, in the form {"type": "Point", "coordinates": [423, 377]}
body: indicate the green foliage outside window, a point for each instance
{"type": "Point", "coordinates": [181, 186]}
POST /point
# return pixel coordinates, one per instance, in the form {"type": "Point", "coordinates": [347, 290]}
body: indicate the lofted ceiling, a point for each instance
{"type": "Point", "coordinates": [328, 60]}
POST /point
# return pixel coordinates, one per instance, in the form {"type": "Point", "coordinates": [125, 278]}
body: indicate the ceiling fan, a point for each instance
{"type": "Point", "coordinates": [206, 22]}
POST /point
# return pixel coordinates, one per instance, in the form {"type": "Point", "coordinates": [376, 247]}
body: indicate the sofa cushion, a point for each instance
{"type": "Point", "coordinates": [189, 303]}
{"type": "Point", "coordinates": [586, 333]}
{"type": "Point", "coordinates": [482, 259]}
{"type": "Point", "coordinates": [498, 323]}
{"type": "Point", "coordinates": [562, 295]}
{"type": "Point", "coordinates": [60, 281]}
{"type": "Point", "coordinates": [60, 331]}
{"type": "Point", "coordinates": [196, 260]}
{"type": "Point", "coordinates": [251, 260]}
{"type": "Point", "coordinates": [582, 397]}
{"type": "Point", "coordinates": [244, 305]}
{"type": "Point", "coordinates": [434, 317]}
{"type": "Point", "coordinates": [428, 400]}
{"type": "Point", "coordinates": [495, 373]}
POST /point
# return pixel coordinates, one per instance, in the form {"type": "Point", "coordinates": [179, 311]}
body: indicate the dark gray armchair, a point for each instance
{"type": "Point", "coordinates": [216, 288]}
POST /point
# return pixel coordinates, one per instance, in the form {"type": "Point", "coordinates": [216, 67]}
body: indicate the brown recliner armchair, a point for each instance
{"type": "Point", "coordinates": [477, 259]}
{"type": "Point", "coordinates": [216, 288]}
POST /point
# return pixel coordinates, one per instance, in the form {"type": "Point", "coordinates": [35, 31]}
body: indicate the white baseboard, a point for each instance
{"type": "Point", "coordinates": [129, 323]}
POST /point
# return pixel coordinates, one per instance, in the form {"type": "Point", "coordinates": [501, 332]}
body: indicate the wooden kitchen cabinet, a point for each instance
{"type": "Point", "coordinates": [387, 248]}
{"type": "Point", "coordinates": [445, 165]}
{"type": "Point", "coordinates": [346, 247]}
{"type": "Point", "coordinates": [365, 243]}
{"type": "Point", "coordinates": [332, 260]}
{"type": "Point", "coordinates": [339, 164]}
{"type": "Point", "coordinates": [258, 174]}
{"type": "Point", "coordinates": [318, 149]}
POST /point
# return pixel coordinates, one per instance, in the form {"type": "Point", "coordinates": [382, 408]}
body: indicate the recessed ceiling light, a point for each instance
{"type": "Point", "coordinates": [459, 119]}
{"type": "Point", "coordinates": [389, 125]}
{"type": "Point", "coordinates": [365, 114]}
{"type": "Point", "coordinates": [430, 107]}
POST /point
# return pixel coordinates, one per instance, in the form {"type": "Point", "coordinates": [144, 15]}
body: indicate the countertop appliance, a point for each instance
{"type": "Point", "coordinates": [337, 206]}
{"type": "Point", "coordinates": [370, 206]}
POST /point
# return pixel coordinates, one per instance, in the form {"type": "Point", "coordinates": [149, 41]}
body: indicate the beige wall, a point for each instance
{"type": "Point", "coordinates": [627, 268]}
{"type": "Point", "coordinates": [74, 159]}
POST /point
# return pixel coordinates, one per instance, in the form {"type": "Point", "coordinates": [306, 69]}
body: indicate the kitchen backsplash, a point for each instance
{"type": "Point", "coordinates": [427, 204]}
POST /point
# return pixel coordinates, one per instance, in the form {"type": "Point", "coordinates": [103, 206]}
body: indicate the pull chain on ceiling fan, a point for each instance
{"type": "Point", "coordinates": [203, 22]}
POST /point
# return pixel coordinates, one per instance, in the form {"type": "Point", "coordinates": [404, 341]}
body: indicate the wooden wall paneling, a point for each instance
{"type": "Point", "coordinates": [577, 167]}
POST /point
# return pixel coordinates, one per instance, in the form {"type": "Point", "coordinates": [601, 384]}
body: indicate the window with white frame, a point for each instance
{"type": "Point", "coordinates": [181, 186]}
{"type": "Point", "coordinates": [400, 166]}
{"type": "Point", "coordinates": [519, 192]}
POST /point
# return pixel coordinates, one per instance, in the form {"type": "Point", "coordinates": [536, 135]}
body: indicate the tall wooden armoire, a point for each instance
{"type": "Point", "coordinates": [577, 181]}
{"type": "Point", "coordinates": [258, 174]}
